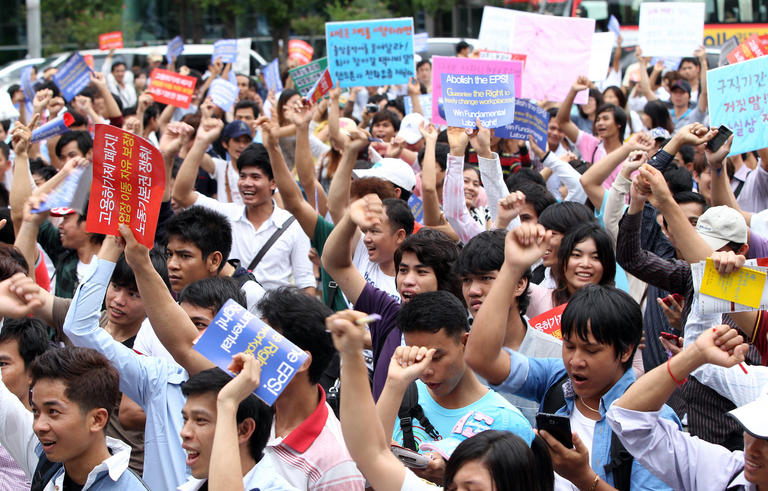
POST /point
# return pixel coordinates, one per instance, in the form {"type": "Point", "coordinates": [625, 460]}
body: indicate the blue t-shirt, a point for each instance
{"type": "Point", "coordinates": [490, 412]}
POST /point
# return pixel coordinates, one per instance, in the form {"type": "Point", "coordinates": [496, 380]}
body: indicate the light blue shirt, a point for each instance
{"type": "Point", "coordinates": [154, 383]}
{"type": "Point", "coordinates": [532, 377]}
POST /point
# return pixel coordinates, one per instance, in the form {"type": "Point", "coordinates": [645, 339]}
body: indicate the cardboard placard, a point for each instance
{"type": "Point", "coordinates": [226, 49]}
{"type": "Point", "coordinates": [305, 76]}
{"type": "Point", "coordinates": [224, 93]}
{"type": "Point", "coordinates": [490, 98]}
{"type": "Point", "coordinates": [171, 88]}
{"type": "Point", "coordinates": [72, 77]}
{"type": "Point", "coordinates": [272, 76]}
{"type": "Point", "coordinates": [111, 40]}
{"type": "Point", "coordinates": [671, 28]}
{"type": "Point", "coordinates": [300, 50]}
{"type": "Point", "coordinates": [530, 119]}
{"type": "Point", "coordinates": [174, 49]}
{"type": "Point", "coordinates": [549, 322]}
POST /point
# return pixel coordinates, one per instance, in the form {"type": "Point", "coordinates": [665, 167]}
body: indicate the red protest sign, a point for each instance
{"type": "Point", "coordinates": [171, 88]}
{"type": "Point", "coordinates": [88, 60]}
{"type": "Point", "coordinates": [300, 50]}
{"type": "Point", "coordinates": [752, 47]}
{"type": "Point", "coordinates": [111, 40]}
{"type": "Point", "coordinates": [128, 184]}
{"type": "Point", "coordinates": [321, 87]}
{"type": "Point", "coordinates": [549, 322]}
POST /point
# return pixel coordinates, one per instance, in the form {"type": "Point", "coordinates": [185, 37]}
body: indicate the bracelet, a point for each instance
{"type": "Point", "coordinates": [595, 483]}
{"type": "Point", "coordinates": [678, 382]}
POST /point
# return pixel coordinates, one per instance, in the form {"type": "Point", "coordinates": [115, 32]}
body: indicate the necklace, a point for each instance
{"type": "Point", "coordinates": [587, 406]}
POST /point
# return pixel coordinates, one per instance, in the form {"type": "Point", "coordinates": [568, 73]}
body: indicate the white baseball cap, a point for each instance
{"type": "Point", "coordinates": [396, 171]}
{"type": "Point", "coordinates": [752, 417]}
{"type": "Point", "coordinates": [720, 225]}
{"type": "Point", "coordinates": [409, 128]}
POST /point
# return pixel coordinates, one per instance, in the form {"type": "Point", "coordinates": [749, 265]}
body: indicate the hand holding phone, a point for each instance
{"type": "Point", "coordinates": [409, 458]}
{"type": "Point", "coordinates": [669, 336]}
{"type": "Point", "coordinates": [723, 133]}
{"type": "Point", "coordinates": [557, 426]}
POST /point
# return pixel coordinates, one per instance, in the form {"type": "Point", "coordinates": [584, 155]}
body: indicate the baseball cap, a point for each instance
{"type": "Point", "coordinates": [155, 56]}
{"type": "Point", "coordinates": [751, 416]}
{"type": "Point", "coordinates": [659, 134]}
{"type": "Point", "coordinates": [720, 225]}
{"type": "Point", "coordinates": [409, 128]}
{"type": "Point", "coordinates": [61, 211]}
{"type": "Point", "coordinates": [681, 84]}
{"type": "Point", "coordinates": [235, 129]}
{"type": "Point", "coordinates": [396, 171]}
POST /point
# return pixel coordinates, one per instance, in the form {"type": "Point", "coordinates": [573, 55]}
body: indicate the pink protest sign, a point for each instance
{"type": "Point", "coordinates": [469, 66]}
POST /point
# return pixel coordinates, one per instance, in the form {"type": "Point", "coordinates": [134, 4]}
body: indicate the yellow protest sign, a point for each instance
{"type": "Point", "coordinates": [744, 286]}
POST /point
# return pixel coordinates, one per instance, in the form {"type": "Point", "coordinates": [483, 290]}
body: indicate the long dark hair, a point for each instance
{"type": "Point", "coordinates": [605, 252]}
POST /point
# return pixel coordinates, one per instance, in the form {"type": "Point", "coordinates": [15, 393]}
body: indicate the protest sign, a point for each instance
{"type": "Point", "coordinates": [417, 208]}
{"type": "Point", "coordinates": [27, 84]}
{"type": "Point", "coordinates": [305, 76]}
{"type": "Point", "coordinates": [370, 52]}
{"type": "Point", "coordinates": [752, 47]}
{"type": "Point", "coordinates": [89, 60]}
{"type": "Point", "coordinates": [726, 49]}
{"type": "Point", "coordinates": [557, 49]}
{"type": "Point", "coordinates": [57, 126]}
{"type": "Point", "coordinates": [72, 77]}
{"type": "Point", "coordinates": [743, 286]}
{"type": "Point", "coordinates": [487, 54]}
{"type": "Point", "coordinates": [426, 105]}
{"type": "Point", "coordinates": [738, 99]}
{"type": "Point", "coordinates": [614, 26]}
{"type": "Point", "coordinates": [530, 119]}
{"type": "Point", "coordinates": [321, 87]}
{"type": "Point", "coordinates": [171, 88]}
{"type": "Point", "coordinates": [420, 42]}
{"type": "Point", "coordinates": [174, 49]}
{"type": "Point", "coordinates": [709, 304]}
{"type": "Point", "coordinates": [71, 193]}
{"type": "Point", "coordinates": [223, 93]}
{"type": "Point", "coordinates": [111, 40]}
{"type": "Point", "coordinates": [471, 66]}
{"type": "Point", "coordinates": [301, 51]}
{"type": "Point", "coordinates": [670, 63]}
{"type": "Point", "coordinates": [243, 61]}
{"type": "Point", "coordinates": [671, 28]}
{"type": "Point", "coordinates": [549, 322]}
{"type": "Point", "coordinates": [128, 184]}
{"type": "Point", "coordinates": [272, 76]}
{"type": "Point", "coordinates": [235, 330]}
{"type": "Point", "coordinates": [600, 56]}
{"type": "Point", "coordinates": [226, 49]}
{"type": "Point", "coordinates": [490, 98]}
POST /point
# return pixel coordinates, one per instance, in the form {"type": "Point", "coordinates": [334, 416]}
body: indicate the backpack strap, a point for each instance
{"type": "Point", "coordinates": [44, 472]}
{"type": "Point", "coordinates": [333, 287]}
{"type": "Point", "coordinates": [267, 245]}
{"type": "Point", "coordinates": [554, 398]}
{"type": "Point", "coordinates": [410, 409]}
{"type": "Point", "coordinates": [620, 465]}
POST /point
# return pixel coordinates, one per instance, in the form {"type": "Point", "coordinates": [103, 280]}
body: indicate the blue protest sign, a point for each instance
{"type": "Point", "coordinates": [420, 42]}
{"type": "Point", "coordinates": [426, 105]}
{"type": "Point", "coordinates": [70, 193]}
{"type": "Point", "coordinates": [370, 52]}
{"type": "Point", "coordinates": [530, 119]}
{"type": "Point", "coordinates": [174, 49]}
{"type": "Point", "coordinates": [614, 26]}
{"type": "Point", "coordinates": [226, 49]}
{"type": "Point", "coordinates": [272, 76]}
{"type": "Point", "coordinates": [223, 93]}
{"type": "Point", "coordinates": [56, 126]}
{"type": "Point", "coordinates": [738, 99]}
{"type": "Point", "coordinates": [72, 77]}
{"type": "Point", "coordinates": [491, 98]}
{"type": "Point", "coordinates": [27, 84]}
{"type": "Point", "coordinates": [235, 330]}
{"type": "Point", "coordinates": [670, 63]}
{"type": "Point", "coordinates": [417, 208]}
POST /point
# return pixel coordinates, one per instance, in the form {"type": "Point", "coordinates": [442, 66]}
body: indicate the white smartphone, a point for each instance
{"type": "Point", "coordinates": [410, 458]}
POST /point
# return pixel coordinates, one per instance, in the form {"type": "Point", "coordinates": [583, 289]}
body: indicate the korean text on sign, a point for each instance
{"type": "Point", "coordinates": [111, 40]}
{"type": "Point", "coordinates": [128, 184]}
{"type": "Point", "coordinates": [171, 88]}
{"type": "Point", "coordinates": [371, 52]}
{"type": "Point", "coordinates": [738, 99]}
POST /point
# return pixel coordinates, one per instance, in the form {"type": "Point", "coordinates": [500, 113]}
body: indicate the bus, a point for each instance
{"type": "Point", "coordinates": [723, 18]}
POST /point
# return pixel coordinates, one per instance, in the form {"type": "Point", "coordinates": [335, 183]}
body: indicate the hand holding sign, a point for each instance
{"type": "Point", "coordinates": [247, 380]}
{"type": "Point", "coordinates": [480, 139]}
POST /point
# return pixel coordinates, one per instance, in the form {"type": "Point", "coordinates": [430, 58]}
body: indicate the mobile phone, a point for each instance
{"type": "Point", "coordinates": [557, 426]}
{"type": "Point", "coordinates": [723, 133]}
{"type": "Point", "coordinates": [669, 336]}
{"type": "Point", "coordinates": [668, 301]}
{"type": "Point", "coordinates": [410, 458]}
{"type": "Point", "coordinates": [371, 108]}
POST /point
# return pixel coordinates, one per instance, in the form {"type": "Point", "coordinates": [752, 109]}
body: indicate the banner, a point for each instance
{"type": "Point", "coordinates": [752, 47]}
{"type": "Point", "coordinates": [223, 93]}
{"type": "Point", "coordinates": [420, 42]}
{"type": "Point", "coordinates": [301, 51]}
{"type": "Point", "coordinates": [171, 88]}
{"type": "Point", "coordinates": [128, 184]}
{"type": "Point", "coordinates": [370, 52]}
{"type": "Point", "coordinates": [111, 40]}
{"type": "Point", "coordinates": [243, 61]}
{"type": "Point", "coordinates": [490, 98]}
{"type": "Point", "coordinates": [557, 49]}
{"type": "Point", "coordinates": [272, 76]}
{"type": "Point", "coordinates": [487, 54]}
{"type": "Point", "coordinates": [235, 330]}
{"type": "Point", "coordinates": [226, 49]}
{"type": "Point", "coordinates": [549, 322]}
{"type": "Point", "coordinates": [57, 126]}
{"type": "Point", "coordinates": [614, 26]}
{"type": "Point", "coordinates": [174, 49]}
{"type": "Point", "coordinates": [321, 87]}
{"type": "Point", "coordinates": [72, 77]}
{"type": "Point", "coordinates": [71, 193]}
{"type": "Point", "coordinates": [600, 56]}
{"type": "Point", "coordinates": [305, 76]}
{"type": "Point", "coordinates": [449, 64]}
{"type": "Point", "coordinates": [738, 99]}
{"type": "Point", "coordinates": [671, 28]}
{"type": "Point", "coordinates": [530, 119]}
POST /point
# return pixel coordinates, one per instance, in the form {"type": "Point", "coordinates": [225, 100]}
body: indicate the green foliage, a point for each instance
{"type": "Point", "coordinates": [80, 22]}
{"type": "Point", "coordinates": [434, 6]}
{"type": "Point", "coordinates": [357, 10]}
{"type": "Point", "coordinates": [309, 25]}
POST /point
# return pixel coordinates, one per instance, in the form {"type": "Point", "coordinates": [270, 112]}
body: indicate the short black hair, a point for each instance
{"type": "Point", "coordinates": [83, 139]}
{"type": "Point", "coordinates": [483, 253]}
{"type": "Point", "coordinates": [690, 197]}
{"type": "Point", "coordinates": [679, 179]}
{"type": "Point", "coordinates": [441, 155]}
{"type": "Point", "coordinates": [209, 230]}
{"type": "Point", "coordinates": [31, 335]}
{"type": "Point", "coordinates": [432, 311]}
{"type": "Point", "coordinates": [39, 167]}
{"type": "Point", "coordinates": [618, 93]}
{"type": "Point", "coordinates": [524, 174]}
{"type": "Point", "coordinates": [461, 46]}
{"type": "Point", "coordinates": [386, 115]}
{"type": "Point", "coordinates": [619, 116]}
{"type": "Point", "coordinates": [48, 84]}
{"type": "Point", "coordinates": [248, 104]}
{"type": "Point", "coordinates": [688, 153]}
{"type": "Point", "coordinates": [689, 59]}
{"type": "Point", "coordinates": [5, 150]}
{"type": "Point", "coordinates": [123, 275]}
{"type": "Point", "coordinates": [91, 379]}
{"type": "Point", "coordinates": [396, 103]}
{"type": "Point", "coordinates": [614, 318]}
{"type": "Point", "coordinates": [301, 319]}
{"type": "Point", "coordinates": [438, 251]}
{"type": "Point", "coordinates": [255, 155]}
{"type": "Point", "coordinates": [12, 261]}
{"type": "Point", "coordinates": [535, 194]}
{"type": "Point", "coordinates": [422, 63]}
{"type": "Point", "coordinates": [564, 216]}
{"type": "Point", "coordinates": [399, 215]}
{"type": "Point", "coordinates": [212, 293]}
{"type": "Point", "coordinates": [212, 381]}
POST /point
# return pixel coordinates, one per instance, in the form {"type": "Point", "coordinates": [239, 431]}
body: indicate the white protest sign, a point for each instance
{"type": "Point", "coordinates": [243, 60]}
{"type": "Point", "coordinates": [671, 28]}
{"type": "Point", "coordinates": [600, 58]}
{"type": "Point", "coordinates": [496, 29]}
